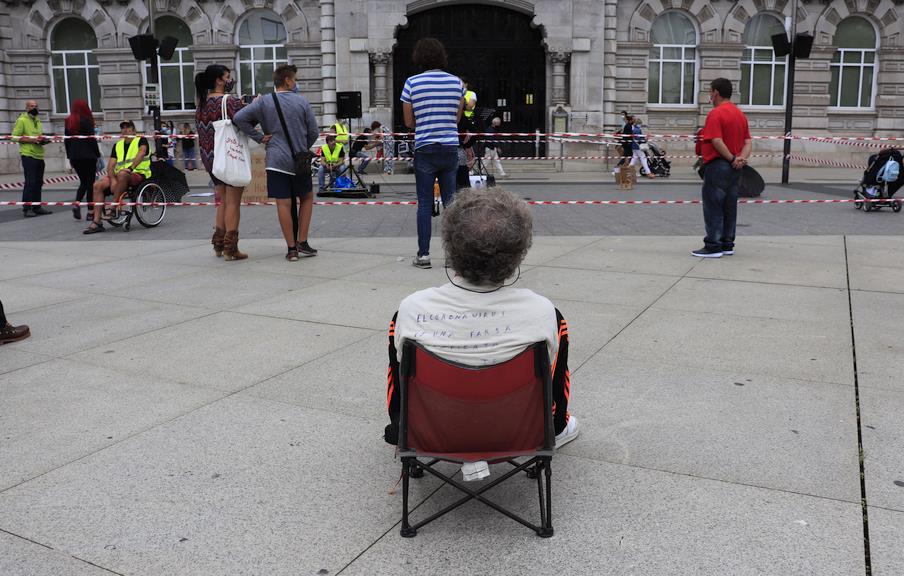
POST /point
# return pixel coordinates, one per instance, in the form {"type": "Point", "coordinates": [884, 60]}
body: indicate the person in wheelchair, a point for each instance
{"type": "Point", "coordinates": [129, 165]}
{"type": "Point", "coordinates": [332, 159]}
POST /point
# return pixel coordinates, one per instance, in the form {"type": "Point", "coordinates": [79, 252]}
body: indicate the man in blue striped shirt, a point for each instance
{"type": "Point", "coordinates": [432, 104]}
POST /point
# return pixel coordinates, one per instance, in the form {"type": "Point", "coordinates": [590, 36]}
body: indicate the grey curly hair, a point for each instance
{"type": "Point", "coordinates": [486, 234]}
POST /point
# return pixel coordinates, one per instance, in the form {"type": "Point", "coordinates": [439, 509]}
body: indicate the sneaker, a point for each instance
{"type": "Point", "coordinates": [422, 262]}
{"type": "Point", "coordinates": [304, 249]}
{"type": "Point", "coordinates": [569, 433]}
{"type": "Point", "coordinates": [10, 333]}
{"type": "Point", "coordinates": [707, 252]}
{"type": "Point", "coordinates": [29, 213]}
{"type": "Point", "coordinates": [727, 251]}
{"type": "Point", "coordinates": [41, 211]}
{"type": "Point", "coordinates": [292, 255]}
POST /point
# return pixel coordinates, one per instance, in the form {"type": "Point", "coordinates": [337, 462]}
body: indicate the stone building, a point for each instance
{"type": "Point", "coordinates": [543, 65]}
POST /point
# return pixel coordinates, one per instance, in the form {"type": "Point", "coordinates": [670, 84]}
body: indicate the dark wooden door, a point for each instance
{"type": "Point", "coordinates": [497, 50]}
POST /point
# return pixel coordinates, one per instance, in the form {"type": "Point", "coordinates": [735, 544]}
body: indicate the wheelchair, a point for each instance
{"type": "Point", "coordinates": [166, 184]}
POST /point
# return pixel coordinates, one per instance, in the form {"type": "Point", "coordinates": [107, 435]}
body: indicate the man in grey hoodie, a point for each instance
{"type": "Point", "coordinates": [303, 130]}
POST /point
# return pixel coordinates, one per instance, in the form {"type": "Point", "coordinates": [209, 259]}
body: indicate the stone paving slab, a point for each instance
{"type": "Point", "coordinates": [879, 330]}
{"type": "Point", "coordinates": [886, 537]}
{"type": "Point", "coordinates": [612, 519]}
{"type": "Point", "coordinates": [876, 263]}
{"type": "Point", "coordinates": [648, 255]}
{"type": "Point", "coordinates": [618, 288]}
{"type": "Point", "coordinates": [360, 304]}
{"type": "Point", "coordinates": [61, 410]}
{"type": "Point", "coordinates": [19, 556]}
{"type": "Point", "coordinates": [226, 351]}
{"type": "Point", "coordinates": [28, 297]}
{"type": "Point", "coordinates": [883, 437]}
{"type": "Point", "coordinates": [242, 486]}
{"type": "Point", "coordinates": [778, 348]}
{"type": "Point", "coordinates": [801, 263]}
{"type": "Point", "coordinates": [792, 435]}
{"type": "Point", "coordinates": [70, 327]}
{"type": "Point", "coordinates": [755, 300]}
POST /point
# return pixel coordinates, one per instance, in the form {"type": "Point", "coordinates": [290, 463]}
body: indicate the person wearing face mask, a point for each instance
{"type": "Point", "coordinates": [283, 145]}
{"type": "Point", "coordinates": [211, 86]}
{"type": "Point", "coordinates": [28, 132]}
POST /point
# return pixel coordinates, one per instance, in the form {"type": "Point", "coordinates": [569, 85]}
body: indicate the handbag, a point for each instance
{"type": "Point", "coordinates": [231, 152]}
{"type": "Point", "coordinates": [301, 162]}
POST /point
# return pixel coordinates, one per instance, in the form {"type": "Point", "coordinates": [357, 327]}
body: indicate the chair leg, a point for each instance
{"type": "Point", "coordinates": [547, 530]}
{"type": "Point", "coordinates": [407, 531]}
{"type": "Point", "coordinates": [416, 471]}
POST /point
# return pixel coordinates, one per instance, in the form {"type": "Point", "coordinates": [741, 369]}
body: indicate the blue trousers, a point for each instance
{"type": "Point", "coordinates": [721, 183]}
{"type": "Point", "coordinates": [432, 162]}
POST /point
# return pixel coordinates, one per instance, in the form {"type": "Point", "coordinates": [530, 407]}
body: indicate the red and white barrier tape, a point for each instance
{"type": "Point", "coordinates": [52, 180]}
{"type": "Point", "coordinates": [414, 202]}
{"type": "Point", "coordinates": [529, 135]}
{"type": "Point", "coordinates": [820, 161]}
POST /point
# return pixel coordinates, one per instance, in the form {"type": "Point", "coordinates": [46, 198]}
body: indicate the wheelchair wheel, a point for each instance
{"type": "Point", "coordinates": [896, 206]}
{"type": "Point", "coordinates": [150, 216]}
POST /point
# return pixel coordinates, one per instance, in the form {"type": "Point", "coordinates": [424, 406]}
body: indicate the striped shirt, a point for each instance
{"type": "Point", "coordinates": [435, 97]}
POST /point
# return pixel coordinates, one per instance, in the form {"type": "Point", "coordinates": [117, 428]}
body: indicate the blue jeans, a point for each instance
{"type": "Point", "coordinates": [432, 162]}
{"type": "Point", "coordinates": [365, 160]}
{"type": "Point", "coordinates": [720, 204]}
{"type": "Point", "coordinates": [335, 172]}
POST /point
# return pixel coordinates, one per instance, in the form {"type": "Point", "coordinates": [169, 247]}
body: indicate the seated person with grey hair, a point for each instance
{"type": "Point", "coordinates": [477, 319]}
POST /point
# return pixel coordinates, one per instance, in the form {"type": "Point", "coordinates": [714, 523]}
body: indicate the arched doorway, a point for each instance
{"type": "Point", "coordinates": [497, 49]}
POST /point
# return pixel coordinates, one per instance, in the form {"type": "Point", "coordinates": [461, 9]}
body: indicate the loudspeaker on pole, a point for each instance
{"type": "Point", "coordinates": [348, 105]}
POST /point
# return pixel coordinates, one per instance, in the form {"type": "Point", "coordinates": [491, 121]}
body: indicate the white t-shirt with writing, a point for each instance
{"type": "Point", "coordinates": [476, 329]}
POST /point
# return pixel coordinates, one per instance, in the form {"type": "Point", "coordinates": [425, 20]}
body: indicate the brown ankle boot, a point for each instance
{"type": "Point", "coordinates": [217, 241]}
{"type": "Point", "coordinates": [231, 247]}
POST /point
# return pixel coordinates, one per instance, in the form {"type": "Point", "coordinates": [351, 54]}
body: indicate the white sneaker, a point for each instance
{"type": "Point", "coordinates": [568, 434]}
{"type": "Point", "coordinates": [421, 262]}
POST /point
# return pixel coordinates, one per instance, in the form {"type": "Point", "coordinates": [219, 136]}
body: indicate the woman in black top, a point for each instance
{"type": "Point", "coordinates": [82, 152]}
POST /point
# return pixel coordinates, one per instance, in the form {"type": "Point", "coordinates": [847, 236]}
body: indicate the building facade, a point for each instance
{"type": "Point", "coordinates": [547, 65]}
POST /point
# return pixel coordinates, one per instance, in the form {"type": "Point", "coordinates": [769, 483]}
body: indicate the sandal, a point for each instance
{"type": "Point", "coordinates": [93, 228]}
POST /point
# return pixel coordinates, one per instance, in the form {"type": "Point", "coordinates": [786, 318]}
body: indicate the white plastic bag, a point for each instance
{"type": "Point", "coordinates": [231, 152]}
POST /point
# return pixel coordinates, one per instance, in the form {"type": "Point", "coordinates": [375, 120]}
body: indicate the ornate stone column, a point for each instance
{"type": "Point", "coordinates": [379, 62]}
{"type": "Point", "coordinates": [559, 61]}
{"type": "Point", "coordinates": [328, 66]}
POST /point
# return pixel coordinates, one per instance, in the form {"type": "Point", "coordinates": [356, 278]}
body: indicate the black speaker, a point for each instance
{"type": "Point", "coordinates": [168, 47]}
{"type": "Point", "coordinates": [803, 43]}
{"type": "Point", "coordinates": [143, 46]}
{"type": "Point", "coordinates": [348, 105]}
{"type": "Point", "coordinates": [780, 45]}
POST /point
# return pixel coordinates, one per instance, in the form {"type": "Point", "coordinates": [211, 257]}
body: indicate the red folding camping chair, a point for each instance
{"type": "Point", "coordinates": [456, 413]}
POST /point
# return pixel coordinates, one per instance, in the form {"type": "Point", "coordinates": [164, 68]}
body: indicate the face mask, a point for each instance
{"type": "Point", "coordinates": [296, 89]}
{"type": "Point", "coordinates": [229, 86]}
{"type": "Point", "coordinates": [33, 111]}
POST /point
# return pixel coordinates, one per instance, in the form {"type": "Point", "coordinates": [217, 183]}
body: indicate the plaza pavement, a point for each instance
{"type": "Point", "coordinates": [174, 414]}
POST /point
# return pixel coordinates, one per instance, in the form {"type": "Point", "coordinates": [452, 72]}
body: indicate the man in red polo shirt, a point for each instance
{"type": "Point", "coordinates": [725, 146]}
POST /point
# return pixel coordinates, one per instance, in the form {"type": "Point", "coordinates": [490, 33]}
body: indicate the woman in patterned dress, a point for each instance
{"type": "Point", "coordinates": [212, 85]}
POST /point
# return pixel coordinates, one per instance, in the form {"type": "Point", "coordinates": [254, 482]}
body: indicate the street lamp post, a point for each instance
{"type": "Point", "coordinates": [789, 104]}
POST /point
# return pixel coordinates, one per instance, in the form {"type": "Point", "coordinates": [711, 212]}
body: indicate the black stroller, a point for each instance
{"type": "Point", "coordinates": [657, 161]}
{"type": "Point", "coordinates": [875, 193]}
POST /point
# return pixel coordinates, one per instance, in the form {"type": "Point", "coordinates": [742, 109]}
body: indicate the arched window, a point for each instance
{"type": "Point", "coordinates": [73, 65]}
{"type": "Point", "coordinates": [177, 88]}
{"type": "Point", "coordinates": [673, 60]}
{"type": "Point", "coordinates": [853, 64]}
{"type": "Point", "coordinates": [262, 47]}
{"type": "Point", "coordinates": [762, 73]}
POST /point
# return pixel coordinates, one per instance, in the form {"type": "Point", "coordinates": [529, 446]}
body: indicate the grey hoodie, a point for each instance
{"type": "Point", "coordinates": [300, 121]}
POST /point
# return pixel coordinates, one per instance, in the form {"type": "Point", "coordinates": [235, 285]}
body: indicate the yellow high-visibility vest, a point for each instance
{"type": "Point", "coordinates": [468, 96]}
{"type": "Point", "coordinates": [332, 156]}
{"type": "Point", "coordinates": [124, 158]}
{"type": "Point", "coordinates": [341, 133]}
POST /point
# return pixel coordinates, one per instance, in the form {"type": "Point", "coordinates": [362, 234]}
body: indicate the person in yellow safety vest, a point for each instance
{"type": "Point", "coordinates": [128, 166]}
{"type": "Point", "coordinates": [470, 99]}
{"type": "Point", "coordinates": [341, 133]}
{"type": "Point", "coordinates": [332, 155]}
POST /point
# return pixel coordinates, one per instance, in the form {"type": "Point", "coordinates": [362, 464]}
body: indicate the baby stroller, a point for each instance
{"type": "Point", "coordinates": [657, 161]}
{"type": "Point", "coordinates": [880, 182]}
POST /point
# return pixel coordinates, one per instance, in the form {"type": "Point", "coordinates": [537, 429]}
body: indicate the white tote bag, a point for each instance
{"type": "Point", "coordinates": [231, 152]}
